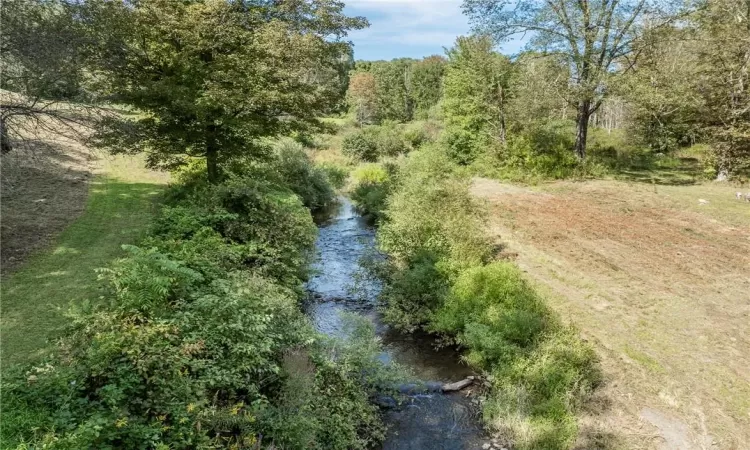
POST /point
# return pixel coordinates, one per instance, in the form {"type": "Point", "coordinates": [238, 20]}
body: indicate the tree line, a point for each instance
{"type": "Point", "coordinates": [668, 74]}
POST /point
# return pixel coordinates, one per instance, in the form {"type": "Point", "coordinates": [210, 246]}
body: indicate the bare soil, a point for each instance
{"type": "Point", "coordinates": [43, 188]}
{"type": "Point", "coordinates": [658, 279]}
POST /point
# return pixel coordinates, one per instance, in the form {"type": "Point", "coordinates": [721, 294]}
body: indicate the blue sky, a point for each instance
{"type": "Point", "coordinates": [409, 28]}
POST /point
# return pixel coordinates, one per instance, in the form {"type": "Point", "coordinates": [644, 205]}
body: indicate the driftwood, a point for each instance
{"type": "Point", "coordinates": [458, 385]}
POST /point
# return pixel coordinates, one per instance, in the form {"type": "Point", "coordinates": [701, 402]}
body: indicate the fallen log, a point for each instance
{"type": "Point", "coordinates": [458, 385]}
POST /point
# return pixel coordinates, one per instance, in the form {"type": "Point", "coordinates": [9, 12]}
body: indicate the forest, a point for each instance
{"type": "Point", "coordinates": [176, 314]}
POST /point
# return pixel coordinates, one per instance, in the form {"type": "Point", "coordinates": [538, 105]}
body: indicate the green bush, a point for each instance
{"type": "Point", "coordinates": [335, 173]}
{"type": "Point", "coordinates": [297, 172]}
{"type": "Point", "coordinates": [389, 140]}
{"type": "Point", "coordinates": [275, 230]}
{"type": "Point", "coordinates": [493, 312]}
{"type": "Point", "coordinates": [360, 145]}
{"type": "Point", "coordinates": [371, 185]}
{"type": "Point", "coordinates": [432, 212]}
{"type": "Point", "coordinates": [542, 371]}
{"type": "Point", "coordinates": [192, 346]}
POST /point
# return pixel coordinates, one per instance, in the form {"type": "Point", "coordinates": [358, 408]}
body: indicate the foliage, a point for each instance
{"type": "Point", "coordinates": [389, 140]}
{"type": "Point", "coordinates": [211, 77]}
{"type": "Point", "coordinates": [394, 99]}
{"type": "Point", "coordinates": [425, 84]}
{"type": "Point", "coordinates": [360, 145]}
{"type": "Point", "coordinates": [296, 171]}
{"type": "Point", "coordinates": [594, 37]}
{"type": "Point", "coordinates": [431, 229]}
{"type": "Point", "coordinates": [42, 65]}
{"type": "Point", "coordinates": [268, 222]}
{"type": "Point", "coordinates": [371, 184]}
{"type": "Point", "coordinates": [476, 85]}
{"type": "Point", "coordinates": [335, 174]}
{"type": "Point", "coordinates": [362, 98]}
{"type": "Point", "coordinates": [541, 370]}
{"type": "Point", "coordinates": [200, 342]}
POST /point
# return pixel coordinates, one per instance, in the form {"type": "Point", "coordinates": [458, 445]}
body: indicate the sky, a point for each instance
{"type": "Point", "coordinates": [409, 28]}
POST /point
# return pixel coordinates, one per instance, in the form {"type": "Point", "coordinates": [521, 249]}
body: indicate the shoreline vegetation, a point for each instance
{"type": "Point", "coordinates": [183, 326]}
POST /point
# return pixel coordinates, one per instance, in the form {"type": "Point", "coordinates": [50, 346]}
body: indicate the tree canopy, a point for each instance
{"type": "Point", "coordinates": [210, 78]}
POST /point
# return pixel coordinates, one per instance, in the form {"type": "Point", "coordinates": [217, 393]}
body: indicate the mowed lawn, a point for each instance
{"type": "Point", "coordinates": [122, 200]}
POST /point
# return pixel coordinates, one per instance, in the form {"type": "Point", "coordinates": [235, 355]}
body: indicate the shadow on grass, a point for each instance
{"type": "Point", "coordinates": [35, 296]}
{"type": "Point", "coordinates": [674, 172]}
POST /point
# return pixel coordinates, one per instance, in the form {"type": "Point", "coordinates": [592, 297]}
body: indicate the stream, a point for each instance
{"type": "Point", "coordinates": [423, 421]}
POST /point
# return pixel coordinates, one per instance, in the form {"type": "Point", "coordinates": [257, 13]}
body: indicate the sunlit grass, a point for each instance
{"type": "Point", "coordinates": [120, 206]}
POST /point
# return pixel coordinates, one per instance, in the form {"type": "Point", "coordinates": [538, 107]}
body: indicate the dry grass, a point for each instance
{"type": "Point", "coordinates": [661, 284]}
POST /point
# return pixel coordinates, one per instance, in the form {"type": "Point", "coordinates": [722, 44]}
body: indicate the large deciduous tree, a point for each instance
{"type": "Point", "coordinates": [595, 36]}
{"type": "Point", "coordinates": [208, 78]}
{"type": "Point", "coordinates": [362, 97]}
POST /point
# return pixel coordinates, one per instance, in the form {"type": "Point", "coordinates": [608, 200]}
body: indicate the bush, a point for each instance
{"type": "Point", "coordinates": [370, 188]}
{"type": "Point", "coordinates": [388, 140]}
{"type": "Point", "coordinates": [542, 371]}
{"type": "Point", "coordinates": [336, 174]}
{"type": "Point", "coordinates": [296, 171]}
{"type": "Point", "coordinates": [432, 212]}
{"type": "Point", "coordinates": [269, 222]}
{"type": "Point", "coordinates": [360, 145]}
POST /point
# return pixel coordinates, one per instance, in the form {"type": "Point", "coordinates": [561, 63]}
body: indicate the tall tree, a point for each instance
{"type": "Point", "coordinates": [394, 99]}
{"type": "Point", "coordinates": [724, 80]}
{"type": "Point", "coordinates": [426, 83]}
{"type": "Point", "coordinates": [476, 87]}
{"type": "Point", "coordinates": [211, 77]}
{"type": "Point", "coordinates": [595, 36]}
{"type": "Point", "coordinates": [362, 97]}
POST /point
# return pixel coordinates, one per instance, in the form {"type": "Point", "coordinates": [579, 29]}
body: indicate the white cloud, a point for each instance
{"type": "Point", "coordinates": [413, 26]}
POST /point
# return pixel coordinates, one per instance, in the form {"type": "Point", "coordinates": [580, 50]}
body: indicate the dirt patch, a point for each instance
{"type": "Point", "coordinates": [659, 284]}
{"type": "Point", "coordinates": [43, 188]}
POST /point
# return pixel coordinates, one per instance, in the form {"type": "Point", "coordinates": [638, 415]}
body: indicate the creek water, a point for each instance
{"type": "Point", "coordinates": [425, 421]}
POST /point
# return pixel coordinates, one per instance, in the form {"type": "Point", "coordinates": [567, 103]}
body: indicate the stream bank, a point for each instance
{"type": "Point", "coordinates": [425, 421]}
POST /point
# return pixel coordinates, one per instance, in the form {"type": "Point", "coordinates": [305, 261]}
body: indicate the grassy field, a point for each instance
{"type": "Point", "coordinates": [657, 277]}
{"type": "Point", "coordinates": [118, 208]}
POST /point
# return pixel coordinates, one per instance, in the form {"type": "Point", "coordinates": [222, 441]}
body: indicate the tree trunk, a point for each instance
{"type": "Point", "coordinates": [582, 128]}
{"type": "Point", "coordinates": [5, 145]}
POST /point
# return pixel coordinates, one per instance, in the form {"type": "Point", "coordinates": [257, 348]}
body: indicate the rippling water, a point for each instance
{"type": "Point", "coordinates": [430, 421]}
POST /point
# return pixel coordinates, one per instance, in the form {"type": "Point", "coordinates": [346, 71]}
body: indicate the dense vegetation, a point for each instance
{"type": "Point", "coordinates": [598, 89]}
{"type": "Point", "coordinates": [198, 340]}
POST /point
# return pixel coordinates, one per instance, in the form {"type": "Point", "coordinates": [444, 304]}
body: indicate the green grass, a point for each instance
{"type": "Point", "coordinates": [118, 211]}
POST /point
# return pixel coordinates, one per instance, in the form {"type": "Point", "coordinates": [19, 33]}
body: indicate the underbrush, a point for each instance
{"type": "Point", "coordinates": [439, 277]}
{"type": "Point", "coordinates": [199, 341]}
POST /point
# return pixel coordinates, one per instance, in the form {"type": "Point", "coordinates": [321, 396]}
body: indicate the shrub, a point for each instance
{"type": "Point", "coordinates": [493, 312]}
{"type": "Point", "coordinates": [432, 212]}
{"type": "Point", "coordinates": [371, 186]}
{"type": "Point", "coordinates": [335, 173]}
{"type": "Point", "coordinates": [388, 140]}
{"type": "Point", "coordinates": [542, 371]}
{"type": "Point", "coordinates": [360, 145]}
{"type": "Point", "coordinates": [296, 171]}
{"type": "Point", "coordinates": [275, 230]}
